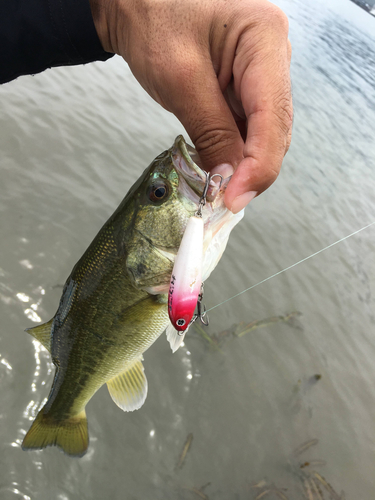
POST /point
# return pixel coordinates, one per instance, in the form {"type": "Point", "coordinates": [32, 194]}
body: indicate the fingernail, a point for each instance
{"type": "Point", "coordinates": [242, 200]}
{"type": "Point", "coordinates": [225, 169]}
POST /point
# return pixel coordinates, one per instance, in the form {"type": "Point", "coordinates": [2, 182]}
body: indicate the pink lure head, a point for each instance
{"type": "Point", "coordinates": [181, 304]}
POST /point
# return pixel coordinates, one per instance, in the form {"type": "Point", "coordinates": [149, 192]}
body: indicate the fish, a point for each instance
{"type": "Point", "coordinates": [185, 449]}
{"type": "Point", "coordinates": [304, 446]}
{"type": "Point", "coordinates": [114, 304]}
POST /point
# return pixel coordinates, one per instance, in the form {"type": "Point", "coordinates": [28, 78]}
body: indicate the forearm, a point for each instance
{"type": "Point", "coordinates": [38, 34]}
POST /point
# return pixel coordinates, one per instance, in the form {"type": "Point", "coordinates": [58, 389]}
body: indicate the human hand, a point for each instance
{"type": "Point", "coordinates": [222, 67]}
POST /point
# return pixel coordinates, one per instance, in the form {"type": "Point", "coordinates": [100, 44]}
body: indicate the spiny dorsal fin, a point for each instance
{"type": "Point", "coordinates": [42, 333]}
{"type": "Point", "coordinates": [174, 338]}
{"type": "Point", "coordinates": [129, 389]}
{"type": "Point", "coordinates": [70, 435]}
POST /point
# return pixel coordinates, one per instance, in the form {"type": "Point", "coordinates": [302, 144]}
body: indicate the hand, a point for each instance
{"type": "Point", "coordinates": [222, 67]}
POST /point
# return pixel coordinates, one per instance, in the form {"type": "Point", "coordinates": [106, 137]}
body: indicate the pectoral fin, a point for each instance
{"type": "Point", "coordinates": [129, 389]}
{"type": "Point", "coordinates": [42, 333]}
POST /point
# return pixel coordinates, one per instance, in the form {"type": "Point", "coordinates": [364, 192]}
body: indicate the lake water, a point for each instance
{"type": "Point", "coordinates": [72, 142]}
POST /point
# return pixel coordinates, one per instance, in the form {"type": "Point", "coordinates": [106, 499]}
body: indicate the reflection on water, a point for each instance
{"type": "Point", "coordinates": [239, 396]}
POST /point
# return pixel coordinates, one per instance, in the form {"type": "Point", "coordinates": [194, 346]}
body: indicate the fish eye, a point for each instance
{"type": "Point", "coordinates": [158, 191]}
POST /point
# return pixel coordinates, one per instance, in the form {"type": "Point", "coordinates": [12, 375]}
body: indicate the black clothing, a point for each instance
{"type": "Point", "coordinates": [38, 34]}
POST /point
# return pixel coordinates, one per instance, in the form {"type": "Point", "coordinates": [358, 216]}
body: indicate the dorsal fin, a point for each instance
{"type": "Point", "coordinates": [129, 389]}
{"type": "Point", "coordinates": [42, 333]}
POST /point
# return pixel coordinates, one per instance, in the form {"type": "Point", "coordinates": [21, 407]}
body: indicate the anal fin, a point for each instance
{"type": "Point", "coordinates": [129, 389]}
{"type": "Point", "coordinates": [42, 333]}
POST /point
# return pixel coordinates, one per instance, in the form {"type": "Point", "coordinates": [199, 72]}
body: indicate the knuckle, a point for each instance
{"type": "Point", "coordinates": [283, 111]}
{"type": "Point", "coordinates": [214, 142]}
{"type": "Point", "coordinates": [276, 17]}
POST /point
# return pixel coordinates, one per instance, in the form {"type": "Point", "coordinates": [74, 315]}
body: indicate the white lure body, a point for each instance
{"type": "Point", "coordinates": [186, 280]}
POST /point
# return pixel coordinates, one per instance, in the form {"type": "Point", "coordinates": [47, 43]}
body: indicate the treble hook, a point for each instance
{"type": "Point", "coordinates": [202, 200]}
{"type": "Point", "coordinates": [202, 315]}
{"type": "Point", "coordinates": [201, 310]}
{"type": "Point", "coordinates": [221, 178]}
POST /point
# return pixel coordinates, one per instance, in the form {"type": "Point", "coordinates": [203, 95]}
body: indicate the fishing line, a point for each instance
{"type": "Point", "coordinates": [293, 265]}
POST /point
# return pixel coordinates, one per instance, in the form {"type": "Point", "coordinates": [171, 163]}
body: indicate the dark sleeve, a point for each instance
{"type": "Point", "coordinates": [38, 34]}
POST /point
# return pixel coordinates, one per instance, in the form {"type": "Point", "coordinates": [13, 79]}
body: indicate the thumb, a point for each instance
{"type": "Point", "coordinates": [202, 109]}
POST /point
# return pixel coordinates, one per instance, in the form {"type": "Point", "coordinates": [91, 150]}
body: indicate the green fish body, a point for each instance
{"type": "Point", "coordinates": [114, 303]}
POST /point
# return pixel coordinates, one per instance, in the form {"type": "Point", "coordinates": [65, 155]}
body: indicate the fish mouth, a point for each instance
{"type": "Point", "coordinates": [187, 163]}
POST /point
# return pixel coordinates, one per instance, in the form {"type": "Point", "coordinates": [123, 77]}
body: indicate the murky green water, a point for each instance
{"type": "Point", "coordinates": [72, 142]}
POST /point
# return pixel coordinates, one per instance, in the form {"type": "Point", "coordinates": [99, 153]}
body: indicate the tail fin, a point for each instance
{"type": "Point", "coordinates": [71, 435]}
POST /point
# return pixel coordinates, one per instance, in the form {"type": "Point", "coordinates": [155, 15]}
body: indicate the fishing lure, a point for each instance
{"type": "Point", "coordinates": [186, 279]}
{"type": "Point", "coordinates": [186, 287]}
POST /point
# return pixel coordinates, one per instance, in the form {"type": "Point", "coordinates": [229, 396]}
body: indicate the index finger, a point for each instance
{"type": "Point", "coordinates": [262, 82]}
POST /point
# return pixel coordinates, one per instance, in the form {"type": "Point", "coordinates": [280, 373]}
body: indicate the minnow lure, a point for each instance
{"type": "Point", "coordinates": [186, 287]}
{"type": "Point", "coordinates": [186, 279]}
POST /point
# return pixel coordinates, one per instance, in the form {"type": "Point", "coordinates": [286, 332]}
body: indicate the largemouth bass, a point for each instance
{"type": "Point", "coordinates": [114, 304]}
